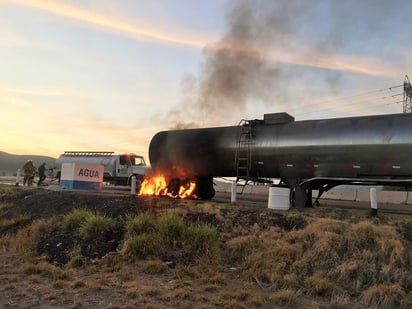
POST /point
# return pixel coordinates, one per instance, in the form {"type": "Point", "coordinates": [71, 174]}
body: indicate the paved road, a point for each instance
{"type": "Point", "coordinates": [262, 200]}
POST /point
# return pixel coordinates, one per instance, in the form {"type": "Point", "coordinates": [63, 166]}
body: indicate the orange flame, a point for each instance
{"type": "Point", "coordinates": [157, 186]}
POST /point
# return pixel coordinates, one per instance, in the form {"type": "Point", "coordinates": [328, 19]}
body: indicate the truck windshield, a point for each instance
{"type": "Point", "coordinates": [136, 160]}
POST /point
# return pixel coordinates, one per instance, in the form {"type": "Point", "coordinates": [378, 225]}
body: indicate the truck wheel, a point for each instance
{"type": "Point", "coordinates": [205, 189]}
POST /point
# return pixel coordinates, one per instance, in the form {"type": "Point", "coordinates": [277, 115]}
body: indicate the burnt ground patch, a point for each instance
{"type": "Point", "coordinates": [100, 245]}
{"type": "Point", "coordinates": [57, 246]}
{"type": "Point", "coordinates": [43, 203]}
{"type": "Point", "coordinates": [264, 218]}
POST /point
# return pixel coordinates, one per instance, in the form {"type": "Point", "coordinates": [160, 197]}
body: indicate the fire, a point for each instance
{"type": "Point", "coordinates": [158, 186]}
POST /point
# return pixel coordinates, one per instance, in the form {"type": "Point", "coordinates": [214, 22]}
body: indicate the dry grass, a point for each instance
{"type": "Point", "coordinates": [272, 261]}
{"type": "Point", "coordinates": [241, 298]}
{"type": "Point", "coordinates": [184, 272]}
{"type": "Point", "coordinates": [383, 296]}
{"type": "Point", "coordinates": [42, 269]}
{"type": "Point", "coordinates": [324, 257]}
{"type": "Point", "coordinates": [11, 226]}
{"type": "Point", "coordinates": [286, 297]}
{"type": "Point", "coordinates": [25, 239]}
{"type": "Point", "coordinates": [77, 260]}
{"type": "Point", "coordinates": [213, 277]}
{"type": "Point", "coordinates": [238, 248]}
{"type": "Point", "coordinates": [155, 267]}
{"type": "Point", "coordinates": [328, 263]}
{"type": "Point", "coordinates": [318, 285]}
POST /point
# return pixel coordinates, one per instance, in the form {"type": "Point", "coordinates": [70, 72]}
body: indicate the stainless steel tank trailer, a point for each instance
{"type": "Point", "coordinates": [305, 155]}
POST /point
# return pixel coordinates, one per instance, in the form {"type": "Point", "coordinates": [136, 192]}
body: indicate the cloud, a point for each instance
{"type": "Point", "coordinates": [10, 38]}
{"type": "Point", "coordinates": [286, 55]}
{"type": "Point", "coordinates": [42, 92]}
{"type": "Point", "coordinates": [61, 9]}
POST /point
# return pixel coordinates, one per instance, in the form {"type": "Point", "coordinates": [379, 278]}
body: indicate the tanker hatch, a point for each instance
{"type": "Point", "coordinates": [277, 118]}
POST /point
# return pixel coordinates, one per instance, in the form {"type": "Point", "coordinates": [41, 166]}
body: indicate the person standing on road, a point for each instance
{"type": "Point", "coordinates": [29, 172]}
{"type": "Point", "coordinates": [42, 173]}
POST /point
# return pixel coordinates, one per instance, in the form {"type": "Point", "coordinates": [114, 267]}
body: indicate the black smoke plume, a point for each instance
{"type": "Point", "coordinates": [239, 73]}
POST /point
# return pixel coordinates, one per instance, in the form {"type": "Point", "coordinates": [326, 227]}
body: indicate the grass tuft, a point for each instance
{"type": "Point", "coordinates": [286, 297]}
{"type": "Point", "coordinates": [76, 258]}
{"type": "Point", "coordinates": [317, 284]}
{"type": "Point", "coordinates": [171, 228]}
{"type": "Point", "coordinates": [75, 219]}
{"type": "Point", "coordinates": [143, 245]}
{"type": "Point", "coordinates": [143, 223]}
{"type": "Point", "coordinates": [154, 267]}
{"type": "Point", "coordinates": [383, 296]}
{"type": "Point", "coordinates": [95, 225]}
{"type": "Point", "coordinates": [203, 240]}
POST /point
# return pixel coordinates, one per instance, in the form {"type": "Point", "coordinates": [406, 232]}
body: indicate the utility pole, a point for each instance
{"type": "Point", "coordinates": [407, 95]}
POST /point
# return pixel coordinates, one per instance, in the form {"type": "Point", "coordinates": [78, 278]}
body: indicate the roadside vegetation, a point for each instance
{"type": "Point", "coordinates": [180, 254]}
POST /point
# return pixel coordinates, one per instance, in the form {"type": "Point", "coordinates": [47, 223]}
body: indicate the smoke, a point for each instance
{"type": "Point", "coordinates": [235, 72]}
{"type": "Point", "coordinates": [241, 71]}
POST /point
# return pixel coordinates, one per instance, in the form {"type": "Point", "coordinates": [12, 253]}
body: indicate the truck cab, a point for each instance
{"type": "Point", "coordinates": [128, 165]}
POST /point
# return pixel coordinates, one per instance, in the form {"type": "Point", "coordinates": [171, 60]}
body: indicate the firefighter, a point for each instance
{"type": "Point", "coordinates": [42, 173]}
{"type": "Point", "coordinates": [29, 172]}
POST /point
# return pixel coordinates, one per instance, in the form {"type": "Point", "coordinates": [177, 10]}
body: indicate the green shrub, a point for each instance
{"type": "Point", "coordinates": [203, 239]}
{"type": "Point", "coordinates": [75, 219]}
{"type": "Point", "coordinates": [143, 245]}
{"type": "Point", "coordinates": [171, 228]}
{"type": "Point", "coordinates": [143, 223]}
{"type": "Point", "coordinates": [95, 225]}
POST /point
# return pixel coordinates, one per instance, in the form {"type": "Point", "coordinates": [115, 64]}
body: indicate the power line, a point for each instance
{"type": "Point", "coordinates": [350, 98]}
{"type": "Point", "coordinates": [360, 98]}
{"type": "Point", "coordinates": [345, 107]}
{"type": "Point", "coordinates": [375, 100]}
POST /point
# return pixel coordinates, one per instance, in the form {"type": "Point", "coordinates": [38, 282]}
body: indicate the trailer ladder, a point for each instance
{"type": "Point", "coordinates": [243, 152]}
{"type": "Point", "coordinates": [88, 153]}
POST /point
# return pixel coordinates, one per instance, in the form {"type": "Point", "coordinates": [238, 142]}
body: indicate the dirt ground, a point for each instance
{"type": "Point", "coordinates": [109, 279]}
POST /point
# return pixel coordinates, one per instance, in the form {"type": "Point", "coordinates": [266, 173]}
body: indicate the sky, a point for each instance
{"type": "Point", "coordinates": [105, 75]}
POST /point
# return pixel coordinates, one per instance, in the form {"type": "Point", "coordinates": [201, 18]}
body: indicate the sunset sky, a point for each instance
{"type": "Point", "coordinates": [107, 75]}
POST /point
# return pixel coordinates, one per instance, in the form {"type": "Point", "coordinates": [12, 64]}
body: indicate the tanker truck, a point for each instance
{"type": "Point", "coordinates": [118, 168]}
{"type": "Point", "coordinates": [305, 155]}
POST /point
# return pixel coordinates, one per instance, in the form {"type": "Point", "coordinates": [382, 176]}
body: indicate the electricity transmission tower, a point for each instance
{"type": "Point", "coordinates": [407, 95]}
